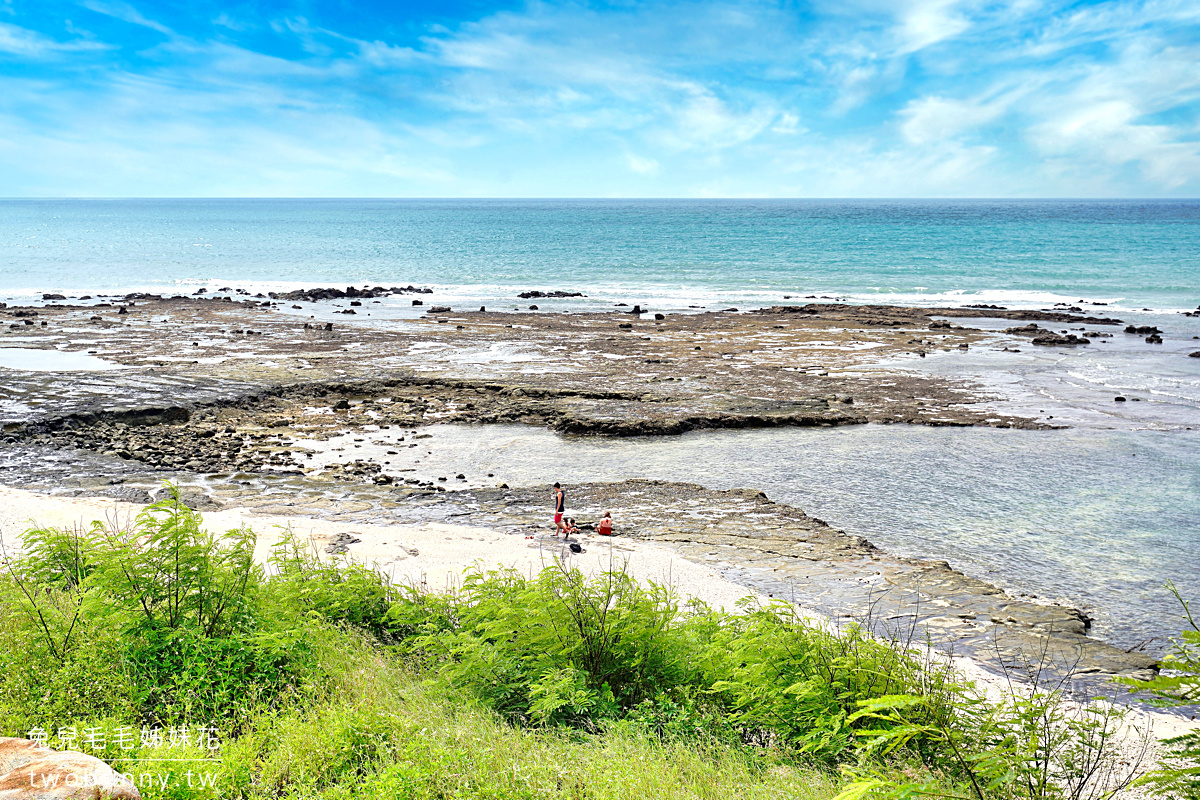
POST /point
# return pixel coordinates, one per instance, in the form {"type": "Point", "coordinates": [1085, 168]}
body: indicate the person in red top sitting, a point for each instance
{"type": "Point", "coordinates": [604, 526]}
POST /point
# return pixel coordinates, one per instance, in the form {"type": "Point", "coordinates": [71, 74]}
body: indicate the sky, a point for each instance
{"type": "Point", "coordinates": [464, 98]}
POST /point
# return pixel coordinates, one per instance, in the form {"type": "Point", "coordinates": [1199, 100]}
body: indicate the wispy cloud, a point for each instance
{"type": "Point", "coordinates": [25, 43]}
{"type": "Point", "coordinates": [126, 13]}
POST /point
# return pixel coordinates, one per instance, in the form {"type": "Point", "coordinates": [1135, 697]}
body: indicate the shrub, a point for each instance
{"type": "Point", "coordinates": [1178, 684]}
{"type": "Point", "coordinates": [560, 649]}
{"type": "Point", "coordinates": [341, 592]}
{"type": "Point", "coordinates": [158, 621]}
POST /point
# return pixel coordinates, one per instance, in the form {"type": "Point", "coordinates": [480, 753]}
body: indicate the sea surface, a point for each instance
{"type": "Point", "coordinates": [1100, 515]}
{"type": "Point", "coordinates": [667, 253]}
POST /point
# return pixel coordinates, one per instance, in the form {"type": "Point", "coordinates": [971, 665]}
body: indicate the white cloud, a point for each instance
{"type": "Point", "coordinates": [933, 119]}
{"type": "Point", "coordinates": [126, 13]}
{"type": "Point", "coordinates": [642, 166]}
{"type": "Point", "coordinates": [928, 22]}
{"type": "Point", "coordinates": [787, 124]}
{"type": "Point", "coordinates": [1107, 116]}
{"type": "Point", "coordinates": [31, 44]}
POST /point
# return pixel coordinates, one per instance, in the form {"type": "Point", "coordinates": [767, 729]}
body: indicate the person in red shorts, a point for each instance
{"type": "Point", "coordinates": [560, 505]}
{"type": "Point", "coordinates": [604, 526]}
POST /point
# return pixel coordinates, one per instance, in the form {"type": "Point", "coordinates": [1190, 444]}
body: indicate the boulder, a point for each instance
{"type": "Point", "coordinates": [1030, 329]}
{"type": "Point", "coordinates": [1051, 339]}
{"type": "Point", "coordinates": [536, 295]}
{"type": "Point", "coordinates": [32, 771]}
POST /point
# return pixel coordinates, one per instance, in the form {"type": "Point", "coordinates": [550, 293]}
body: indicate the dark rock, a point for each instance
{"type": "Point", "coordinates": [340, 545]}
{"type": "Point", "coordinates": [348, 311]}
{"type": "Point", "coordinates": [342, 405]}
{"type": "Point", "coordinates": [122, 310]}
{"type": "Point", "coordinates": [1142, 330]}
{"type": "Point", "coordinates": [1118, 399]}
{"type": "Point", "coordinates": [483, 308]}
{"type": "Point", "coordinates": [328, 326]}
{"type": "Point", "coordinates": [129, 494]}
{"type": "Point", "coordinates": [1057, 340]}
{"type": "Point", "coordinates": [533, 308]}
{"type": "Point", "coordinates": [985, 305]}
{"type": "Point", "coordinates": [637, 309]}
{"type": "Point", "coordinates": [660, 316]}
{"type": "Point", "coordinates": [536, 295]}
{"type": "Point", "coordinates": [313, 295]}
{"type": "Point", "coordinates": [438, 310]}
{"type": "Point", "coordinates": [356, 302]}
{"type": "Point", "coordinates": [1154, 338]}
{"type": "Point", "coordinates": [53, 297]}
{"type": "Point", "coordinates": [1194, 355]}
{"type": "Point", "coordinates": [1030, 329]}
{"type": "Point", "coordinates": [198, 501]}
{"type": "Point", "coordinates": [418, 302]}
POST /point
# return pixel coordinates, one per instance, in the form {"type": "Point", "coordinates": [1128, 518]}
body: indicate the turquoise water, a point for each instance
{"type": "Point", "coordinates": [668, 253]}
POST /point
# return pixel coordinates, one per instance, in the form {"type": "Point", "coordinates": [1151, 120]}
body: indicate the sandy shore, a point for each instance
{"type": "Point", "coordinates": [435, 554]}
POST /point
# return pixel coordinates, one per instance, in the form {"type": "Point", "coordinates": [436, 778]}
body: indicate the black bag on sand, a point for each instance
{"type": "Point", "coordinates": [575, 548]}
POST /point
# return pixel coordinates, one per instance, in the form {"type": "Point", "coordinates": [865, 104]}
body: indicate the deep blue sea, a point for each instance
{"type": "Point", "coordinates": [1100, 515]}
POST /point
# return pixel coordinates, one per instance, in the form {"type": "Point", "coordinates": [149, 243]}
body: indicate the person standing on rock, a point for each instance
{"type": "Point", "coordinates": [560, 505]}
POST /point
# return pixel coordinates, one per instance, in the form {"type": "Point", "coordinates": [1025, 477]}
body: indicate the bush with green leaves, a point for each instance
{"type": "Point", "coordinates": [337, 591]}
{"type": "Point", "coordinates": [560, 648]}
{"type": "Point", "coordinates": [1178, 684]}
{"type": "Point", "coordinates": [160, 620]}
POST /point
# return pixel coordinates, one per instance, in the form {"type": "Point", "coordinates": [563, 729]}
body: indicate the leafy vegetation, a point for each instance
{"type": "Point", "coordinates": [1178, 684]}
{"type": "Point", "coordinates": [323, 680]}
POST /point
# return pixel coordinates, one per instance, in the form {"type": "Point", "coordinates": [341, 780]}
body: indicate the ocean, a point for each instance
{"type": "Point", "coordinates": [1100, 515]}
{"type": "Point", "coordinates": [669, 254]}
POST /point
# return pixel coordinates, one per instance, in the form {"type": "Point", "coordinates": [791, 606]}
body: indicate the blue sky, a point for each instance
{"type": "Point", "coordinates": [831, 98]}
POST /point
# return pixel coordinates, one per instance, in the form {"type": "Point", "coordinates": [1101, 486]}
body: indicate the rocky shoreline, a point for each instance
{"type": "Point", "coordinates": [226, 394]}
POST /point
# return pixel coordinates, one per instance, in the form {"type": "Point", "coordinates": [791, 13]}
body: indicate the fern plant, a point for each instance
{"type": "Point", "coordinates": [1178, 684]}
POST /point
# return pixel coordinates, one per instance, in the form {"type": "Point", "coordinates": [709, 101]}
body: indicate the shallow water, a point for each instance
{"type": "Point", "coordinates": [1098, 519]}
{"type": "Point", "coordinates": [34, 360]}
